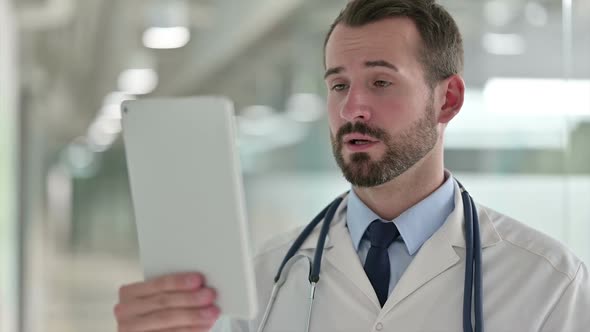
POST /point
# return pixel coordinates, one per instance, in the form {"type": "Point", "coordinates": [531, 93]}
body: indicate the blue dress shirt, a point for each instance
{"type": "Point", "coordinates": [415, 225]}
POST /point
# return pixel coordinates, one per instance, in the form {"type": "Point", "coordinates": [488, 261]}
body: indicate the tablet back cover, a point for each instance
{"type": "Point", "coordinates": [187, 193]}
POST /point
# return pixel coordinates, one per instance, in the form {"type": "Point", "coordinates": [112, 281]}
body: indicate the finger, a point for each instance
{"type": "Point", "coordinates": [203, 297]}
{"type": "Point", "coordinates": [171, 319]}
{"type": "Point", "coordinates": [190, 329]}
{"type": "Point", "coordinates": [169, 283]}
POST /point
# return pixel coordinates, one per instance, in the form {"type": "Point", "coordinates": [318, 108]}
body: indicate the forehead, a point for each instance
{"type": "Point", "coordinates": [392, 39]}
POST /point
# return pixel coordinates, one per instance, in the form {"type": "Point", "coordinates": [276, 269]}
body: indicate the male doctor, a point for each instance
{"type": "Point", "coordinates": [395, 256]}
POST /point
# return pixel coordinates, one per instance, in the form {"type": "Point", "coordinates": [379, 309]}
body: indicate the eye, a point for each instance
{"type": "Point", "coordinates": [382, 84]}
{"type": "Point", "coordinates": [339, 87]}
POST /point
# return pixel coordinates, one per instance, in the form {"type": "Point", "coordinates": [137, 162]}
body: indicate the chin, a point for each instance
{"type": "Point", "coordinates": [354, 157]}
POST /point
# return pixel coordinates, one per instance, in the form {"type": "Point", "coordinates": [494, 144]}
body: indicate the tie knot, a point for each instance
{"type": "Point", "coordinates": [382, 234]}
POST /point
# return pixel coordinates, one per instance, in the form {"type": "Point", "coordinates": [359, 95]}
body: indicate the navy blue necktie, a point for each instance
{"type": "Point", "coordinates": [381, 234]}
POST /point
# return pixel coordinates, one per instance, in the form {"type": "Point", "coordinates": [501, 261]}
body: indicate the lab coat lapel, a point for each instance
{"type": "Point", "coordinates": [437, 254]}
{"type": "Point", "coordinates": [434, 257]}
{"type": "Point", "coordinates": [340, 253]}
{"type": "Point", "coordinates": [345, 259]}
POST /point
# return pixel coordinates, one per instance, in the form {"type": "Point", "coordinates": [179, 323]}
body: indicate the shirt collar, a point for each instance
{"type": "Point", "coordinates": [415, 225]}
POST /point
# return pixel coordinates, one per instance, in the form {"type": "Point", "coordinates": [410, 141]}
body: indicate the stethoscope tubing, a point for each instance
{"type": "Point", "coordinates": [473, 262]}
{"type": "Point", "coordinates": [473, 265]}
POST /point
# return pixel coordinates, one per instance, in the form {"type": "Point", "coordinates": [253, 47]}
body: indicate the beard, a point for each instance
{"type": "Point", "coordinates": [402, 151]}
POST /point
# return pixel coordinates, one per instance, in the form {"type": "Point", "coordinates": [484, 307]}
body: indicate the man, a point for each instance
{"type": "Point", "coordinates": [395, 256]}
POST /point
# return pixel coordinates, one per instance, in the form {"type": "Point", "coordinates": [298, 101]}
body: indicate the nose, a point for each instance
{"type": "Point", "coordinates": [355, 107]}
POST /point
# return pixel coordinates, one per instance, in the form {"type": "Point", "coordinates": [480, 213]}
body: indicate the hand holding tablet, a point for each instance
{"type": "Point", "coordinates": [188, 199]}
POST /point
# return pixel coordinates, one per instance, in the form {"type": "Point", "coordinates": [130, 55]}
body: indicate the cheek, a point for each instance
{"type": "Point", "coordinates": [400, 106]}
{"type": "Point", "coordinates": [334, 118]}
{"type": "Point", "coordinates": [391, 111]}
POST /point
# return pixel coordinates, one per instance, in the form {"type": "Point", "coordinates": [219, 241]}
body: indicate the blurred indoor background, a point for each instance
{"type": "Point", "coordinates": [67, 234]}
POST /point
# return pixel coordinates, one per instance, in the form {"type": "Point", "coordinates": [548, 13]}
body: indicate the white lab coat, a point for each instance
{"type": "Point", "coordinates": [531, 283]}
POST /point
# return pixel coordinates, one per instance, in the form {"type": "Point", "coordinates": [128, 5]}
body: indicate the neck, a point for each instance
{"type": "Point", "coordinates": [392, 198]}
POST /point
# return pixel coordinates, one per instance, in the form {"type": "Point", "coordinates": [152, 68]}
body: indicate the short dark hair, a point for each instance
{"type": "Point", "coordinates": [441, 53]}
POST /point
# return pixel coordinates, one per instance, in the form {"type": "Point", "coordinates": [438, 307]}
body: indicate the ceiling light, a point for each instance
{"type": "Point", "coordinates": [503, 44]}
{"type": "Point", "coordinates": [166, 37]}
{"type": "Point", "coordinates": [138, 81]}
{"type": "Point", "coordinates": [112, 105]}
{"type": "Point", "coordinates": [98, 139]}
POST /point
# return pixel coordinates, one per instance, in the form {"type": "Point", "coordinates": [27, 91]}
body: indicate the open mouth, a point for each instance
{"type": "Point", "coordinates": [359, 142]}
{"type": "Point", "coordinates": [359, 139]}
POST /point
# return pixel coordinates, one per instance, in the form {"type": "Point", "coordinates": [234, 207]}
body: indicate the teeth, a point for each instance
{"type": "Point", "coordinates": [360, 142]}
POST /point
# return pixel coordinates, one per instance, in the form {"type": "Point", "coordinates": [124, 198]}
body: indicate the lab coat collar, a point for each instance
{"type": "Point", "coordinates": [436, 255]}
{"type": "Point", "coordinates": [454, 226]}
{"type": "Point", "coordinates": [339, 217]}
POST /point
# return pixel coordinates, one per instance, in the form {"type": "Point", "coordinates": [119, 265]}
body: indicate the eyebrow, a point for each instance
{"type": "Point", "coordinates": [368, 64]}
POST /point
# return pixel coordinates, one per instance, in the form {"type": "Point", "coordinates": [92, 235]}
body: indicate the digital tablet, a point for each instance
{"type": "Point", "coordinates": [187, 194]}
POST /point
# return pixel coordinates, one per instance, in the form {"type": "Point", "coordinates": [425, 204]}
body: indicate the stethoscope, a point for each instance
{"type": "Point", "coordinates": [473, 272]}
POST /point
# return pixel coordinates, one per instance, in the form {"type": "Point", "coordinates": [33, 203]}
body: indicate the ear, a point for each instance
{"type": "Point", "coordinates": [453, 89]}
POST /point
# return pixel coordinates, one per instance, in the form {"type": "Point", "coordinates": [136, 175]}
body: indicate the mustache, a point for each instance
{"type": "Point", "coordinates": [360, 128]}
